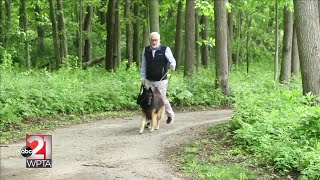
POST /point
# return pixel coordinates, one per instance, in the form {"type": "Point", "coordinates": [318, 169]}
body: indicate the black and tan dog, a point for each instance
{"type": "Point", "coordinates": [153, 109]}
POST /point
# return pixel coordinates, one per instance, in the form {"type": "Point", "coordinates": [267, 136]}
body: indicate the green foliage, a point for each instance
{"type": "Point", "coordinates": [205, 7]}
{"type": "Point", "coordinates": [199, 90]}
{"type": "Point", "coordinates": [210, 157]}
{"type": "Point", "coordinates": [70, 90]}
{"type": "Point", "coordinates": [276, 123]}
{"type": "Point", "coordinates": [7, 62]}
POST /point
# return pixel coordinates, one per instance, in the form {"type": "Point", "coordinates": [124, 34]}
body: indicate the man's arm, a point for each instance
{"type": "Point", "coordinates": [170, 58]}
{"type": "Point", "coordinates": [143, 66]}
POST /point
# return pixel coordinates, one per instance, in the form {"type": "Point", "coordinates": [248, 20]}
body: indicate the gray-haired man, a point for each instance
{"type": "Point", "coordinates": [155, 61]}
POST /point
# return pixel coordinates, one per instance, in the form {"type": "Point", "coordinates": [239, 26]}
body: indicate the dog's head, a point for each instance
{"type": "Point", "coordinates": [147, 96]}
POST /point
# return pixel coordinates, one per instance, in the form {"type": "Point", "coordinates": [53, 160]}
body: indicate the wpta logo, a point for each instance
{"type": "Point", "coordinates": [38, 151]}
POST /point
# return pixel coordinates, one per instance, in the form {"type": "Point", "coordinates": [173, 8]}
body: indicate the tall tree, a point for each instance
{"type": "Point", "coordinates": [295, 54]}
{"type": "Point", "coordinates": [230, 35]}
{"type": "Point", "coordinates": [308, 29]}
{"type": "Point", "coordinates": [87, 27]}
{"type": "Point", "coordinates": [117, 47]}
{"type": "Point", "coordinates": [80, 32]}
{"type": "Point", "coordinates": [8, 21]}
{"type": "Point", "coordinates": [197, 39]}
{"type": "Point", "coordinates": [154, 16]}
{"type": "Point", "coordinates": [190, 38]}
{"type": "Point", "coordinates": [41, 33]}
{"type": "Point", "coordinates": [285, 73]}
{"type": "Point", "coordinates": [136, 34]}
{"type": "Point", "coordinates": [128, 32]}
{"type": "Point", "coordinates": [55, 34]}
{"type": "Point", "coordinates": [110, 35]}
{"type": "Point", "coordinates": [178, 38]}
{"type": "Point", "coordinates": [205, 36]}
{"type": "Point", "coordinates": [23, 27]}
{"type": "Point", "coordinates": [239, 23]}
{"type": "Point", "coordinates": [220, 21]}
{"type": "Point", "coordinates": [101, 12]}
{"type": "Point", "coordinates": [276, 58]}
{"type": "Point", "coordinates": [1, 25]}
{"type": "Point", "coordinates": [146, 25]}
{"type": "Point", "coordinates": [62, 31]}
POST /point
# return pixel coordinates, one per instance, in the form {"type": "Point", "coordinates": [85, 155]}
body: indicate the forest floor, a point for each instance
{"type": "Point", "coordinates": [111, 149]}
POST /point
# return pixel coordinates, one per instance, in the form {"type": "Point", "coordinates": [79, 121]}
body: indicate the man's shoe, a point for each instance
{"type": "Point", "coordinates": [170, 120]}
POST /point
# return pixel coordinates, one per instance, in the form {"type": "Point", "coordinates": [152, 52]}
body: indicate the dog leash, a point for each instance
{"type": "Point", "coordinates": [142, 85]}
{"type": "Point", "coordinates": [164, 75]}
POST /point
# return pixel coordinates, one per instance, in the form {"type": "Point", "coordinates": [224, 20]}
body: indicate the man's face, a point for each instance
{"type": "Point", "coordinates": [154, 41]}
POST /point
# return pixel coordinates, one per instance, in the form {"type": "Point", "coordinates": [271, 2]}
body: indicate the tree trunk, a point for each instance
{"type": "Point", "coordinates": [205, 36]}
{"type": "Point", "coordinates": [276, 58]}
{"type": "Point", "coordinates": [249, 19]}
{"type": "Point", "coordinates": [101, 13]}
{"type": "Point", "coordinates": [8, 22]}
{"type": "Point", "coordinates": [308, 29]}
{"type": "Point", "coordinates": [154, 16]}
{"type": "Point", "coordinates": [23, 27]}
{"type": "Point", "coordinates": [295, 54]}
{"type": "Point", "coordinates": [41, 33]}
{"type": "Point", "coordinates": [221, 26]}
{"type": "Point", "coordinates": [197, 38]}
{"type": "Point", "coordinates": [93, 61]}
{"type": "Point", "coordinates": [1, 26]}
{"type": "Point", "coordinates": [136, 34]}
{"type": "Point", "coordinates": [230, 36]}
{"type": "Point", "coordinates": [62, 31]}
{"type": "Point", "coordinates": [285, 73]}
{"type": "Point", "coordinates": [190, 38]}
{"type": "Point", "coordinates": [128, 32]}
{"type": "Point", "coordinates": [239, 40]}
{"type": "Point", "coordinates": [110, 36]}
{"type": "Point", "coordinates": [55, 34]}
{"type": "Point", "coordinates": [117, 50]}
{"type": "Point", "coordinates": [87, 27]}
{"type": "Point", "coordinates": [146, 25]}
{"type": "Point", "coordinates": [79, 33]}
{"type": "Point", "coordinates": [178, 38]}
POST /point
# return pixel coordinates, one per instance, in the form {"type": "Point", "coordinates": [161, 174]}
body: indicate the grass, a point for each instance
{"type": "Point", "coordinates": [214, 156]}
{"type": "Point", "coordinates": [37, 125]}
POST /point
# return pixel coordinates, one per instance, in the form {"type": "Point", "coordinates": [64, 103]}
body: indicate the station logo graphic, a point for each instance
{"type": "Point", "coordinates": [38, 151]}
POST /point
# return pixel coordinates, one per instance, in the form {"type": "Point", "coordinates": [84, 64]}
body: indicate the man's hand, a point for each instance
{"type": "Point", "coordinates": [172, 67]}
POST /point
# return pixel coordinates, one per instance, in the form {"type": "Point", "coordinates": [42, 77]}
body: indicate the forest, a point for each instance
{"type": "Point", "coordinates": [62, 62]}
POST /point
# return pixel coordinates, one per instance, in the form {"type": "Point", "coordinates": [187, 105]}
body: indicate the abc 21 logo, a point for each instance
{"type": "Point", "coordinates": [38, 151]}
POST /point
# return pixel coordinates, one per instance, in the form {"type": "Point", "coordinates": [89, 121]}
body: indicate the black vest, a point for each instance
{"type": "Point", "coordinates": [156, 66]}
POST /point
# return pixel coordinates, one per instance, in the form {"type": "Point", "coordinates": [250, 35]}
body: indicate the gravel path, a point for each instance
{"type": "Point", "coordinates": [110, 149]}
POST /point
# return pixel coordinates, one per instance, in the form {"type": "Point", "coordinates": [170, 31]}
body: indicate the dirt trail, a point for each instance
{"type": "Point", "coordinates": [109, 149]}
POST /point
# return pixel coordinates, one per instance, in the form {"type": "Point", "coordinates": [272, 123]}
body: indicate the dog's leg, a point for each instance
{"type": "Point", "coordinates": [160, 116]}
{"type": "Point", "coordinates": [154, 121]}
{"type": "Point", "coordinates": [143, 123]}
{"type": "Point", "coordinates": [158, 123]}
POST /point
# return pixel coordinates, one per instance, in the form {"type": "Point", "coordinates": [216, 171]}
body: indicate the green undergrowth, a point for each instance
{"type": "Point", "coordinates": [277, 123]}
{"type": "Point", "coordinates": [214, 156]}
{"type": "Point", "coordinates": [40, 94]}
{"type": "Point", "coordinates": [274, 125]}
